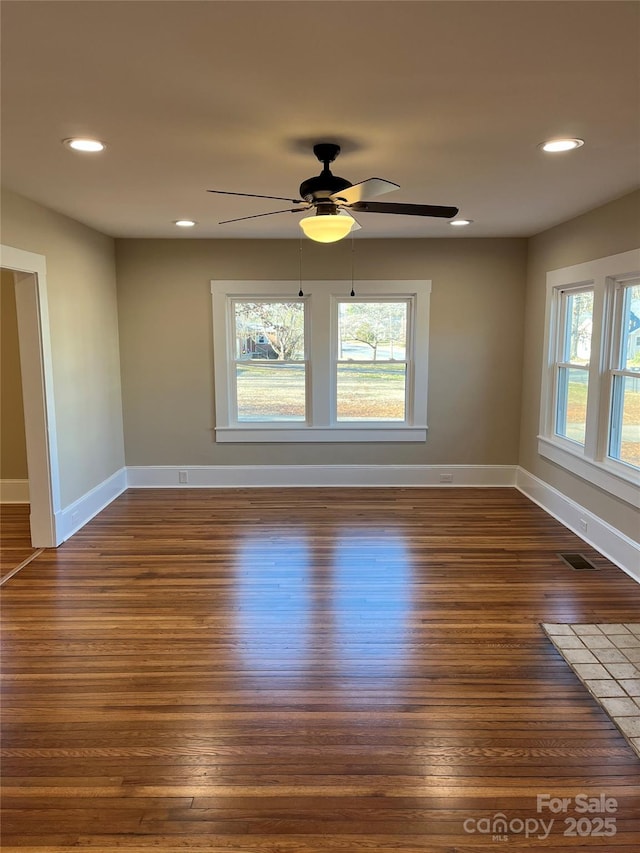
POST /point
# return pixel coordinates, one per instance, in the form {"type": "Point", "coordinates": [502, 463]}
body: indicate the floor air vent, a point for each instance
{"type": "Point", "coordinates": [578, 562]}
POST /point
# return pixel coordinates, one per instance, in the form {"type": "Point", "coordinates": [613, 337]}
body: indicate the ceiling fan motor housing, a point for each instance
{"type": "Point", "coordinates": [322, 186]}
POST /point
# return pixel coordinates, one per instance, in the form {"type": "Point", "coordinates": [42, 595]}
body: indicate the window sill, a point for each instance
{"type": "Point", "coordinates": [304, 434]}
{"type": "Point", "coordinates": [616, 481]}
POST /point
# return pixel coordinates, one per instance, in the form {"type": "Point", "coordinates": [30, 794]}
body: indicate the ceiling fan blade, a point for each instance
{"type": "Point", "coordinates": [364, 190]}
{"type": "Point", "coordinates": [270, 213]}
{"type": "Point", "coordinates": [253, 195]}
{"type": "Point", "coordinates": [346, 212]}
{"type": "Point", "coordinates": [406, 209]}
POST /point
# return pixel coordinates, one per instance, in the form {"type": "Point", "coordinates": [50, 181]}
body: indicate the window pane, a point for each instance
{"type": "Point", "coordinates": [631, 329]}
{"type": "Point", "coordinates": [578, 329]}
{"type": "Point", "coordinates": [371, 392]}
{"type": "Point", "coordinates": [372, 331]}
{"type": "Point", "coordinates": [269, 330]}
{"type": "Point", "coordinates": [571, 411]}
{"type": "Point", "coordinates": [271, 393]}
{"type": "Point", "coordinates": [624, 442]}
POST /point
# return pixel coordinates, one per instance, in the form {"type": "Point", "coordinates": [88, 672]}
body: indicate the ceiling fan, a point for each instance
{"type": "Point", "coordinates": [333, 199]}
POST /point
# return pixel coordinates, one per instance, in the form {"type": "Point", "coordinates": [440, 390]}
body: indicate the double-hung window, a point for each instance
{"type": "Point", "coordinates": [590, 400]}
{"type": "Point", "coordinates": [323, 366]}
{"type": "Point", "coordinates": [624, 431]}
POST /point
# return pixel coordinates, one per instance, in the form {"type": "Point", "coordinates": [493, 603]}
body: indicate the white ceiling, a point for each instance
{"type": "Point", "coordinates": [448, 99]}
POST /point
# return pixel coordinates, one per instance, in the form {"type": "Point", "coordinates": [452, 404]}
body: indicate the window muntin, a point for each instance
{"type": "Point", "coordinates": [270, 366]}
{"type": "Point", "coordinates": [624, 420]}
{"type": "Point", "coordinates": [572, 369]}
{"type": "Point", "coordinates": [372, 358]}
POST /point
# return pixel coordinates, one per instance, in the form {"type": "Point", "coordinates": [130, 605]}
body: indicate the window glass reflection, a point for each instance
{"type": "Point", "coordinates": [371, 599]}
{"type": "Point", "coordinates": [273, 600]}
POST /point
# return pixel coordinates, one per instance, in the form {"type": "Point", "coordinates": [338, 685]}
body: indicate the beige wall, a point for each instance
{"type": "Point", "coordinates": [13, 448]}
{"type": "Point", "coordinates": [607, 230]}
{"type": "Point", "coordinates": [84, 340]}
{"type": "Point", "coordinates": [475, 365]}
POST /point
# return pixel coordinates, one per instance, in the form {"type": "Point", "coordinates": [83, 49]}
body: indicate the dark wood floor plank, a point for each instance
{"type": "Point", "coordinates": [15, 536]}
{"type": "Point", "coordinates": [306, 671]}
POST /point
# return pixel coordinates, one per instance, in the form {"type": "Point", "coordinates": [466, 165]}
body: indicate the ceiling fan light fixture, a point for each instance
{"type": "Point", "coordinates": [185, 223]}
{"type": "Point", "coordinates": [89, 146]}
{"type": "Point", "coordinates": [460, 223]}
{"type": "Point", "coordinates": [553, 146]}
{"type": "Point", "coordinates": [326, 228]}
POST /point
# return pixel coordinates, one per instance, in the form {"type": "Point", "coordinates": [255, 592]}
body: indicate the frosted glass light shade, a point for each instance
{"type": "Point", "coordinates": [328, 228]}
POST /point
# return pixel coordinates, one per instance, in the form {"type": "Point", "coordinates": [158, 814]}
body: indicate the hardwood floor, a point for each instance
{"type": "Point", "coordinates": [309, 671]}
{"type": "Point", "coordinates": [16, 536]}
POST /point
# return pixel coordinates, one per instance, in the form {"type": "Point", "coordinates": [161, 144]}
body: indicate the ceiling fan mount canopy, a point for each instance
{"type": "Point", "coordinates": [326, 152]}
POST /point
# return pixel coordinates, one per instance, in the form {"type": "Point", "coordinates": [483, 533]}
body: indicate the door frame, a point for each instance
{"type": "Point", "coordinates": [36, 367]}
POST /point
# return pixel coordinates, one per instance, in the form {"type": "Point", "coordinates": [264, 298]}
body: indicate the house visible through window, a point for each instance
{"type": "Point", "coordinates": [320, 367]}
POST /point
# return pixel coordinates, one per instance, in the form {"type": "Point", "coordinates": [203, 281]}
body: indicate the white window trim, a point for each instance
{"type": "Point", "coordinates": [324, 295]}
{"type": "Point", "coordinates": [591, 461]}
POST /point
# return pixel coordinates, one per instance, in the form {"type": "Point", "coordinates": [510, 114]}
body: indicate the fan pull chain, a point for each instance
{"type": "Point", "coordinates": [353, 251]}
{"type": "Point", "coordinates": [300, 293]}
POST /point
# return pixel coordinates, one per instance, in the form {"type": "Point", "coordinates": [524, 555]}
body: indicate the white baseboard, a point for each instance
{"type": "Point", "coordinates": [69, 520]}
{"type": "Point", "coordinates": [265, 476]}
{"type": "Point", "coordinates": [14, 491]}
{"type": "Point", "coordinates": [612, 543]}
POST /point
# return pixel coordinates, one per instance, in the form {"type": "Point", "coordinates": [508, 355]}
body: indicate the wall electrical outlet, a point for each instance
{"type": "Point", "coordinates": [183, 477]}
{"type": "Point", "coordinates": [446, 478]}
{"type": "Point", "coordinates": [75, 517]}
{"type": "Point", "coordinates": [583, 525]}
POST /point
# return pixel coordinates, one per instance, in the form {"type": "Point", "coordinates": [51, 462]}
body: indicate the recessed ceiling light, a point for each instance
{"type": "Point", "coordinates": [185, 223]}
{"type": "Point", "coordinates": [460, 222]}
{"type": "Point", "coordinates": [554, 145]}
{"type": "Point", "coordinates": [88, 145]}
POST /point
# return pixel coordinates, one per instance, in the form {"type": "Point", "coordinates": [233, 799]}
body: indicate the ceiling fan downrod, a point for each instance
{"type": "Point", "coordinates": [325, 184]}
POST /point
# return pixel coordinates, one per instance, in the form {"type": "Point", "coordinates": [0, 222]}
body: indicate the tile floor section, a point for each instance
{"type": "Point", "coordinates": [606, 658]}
